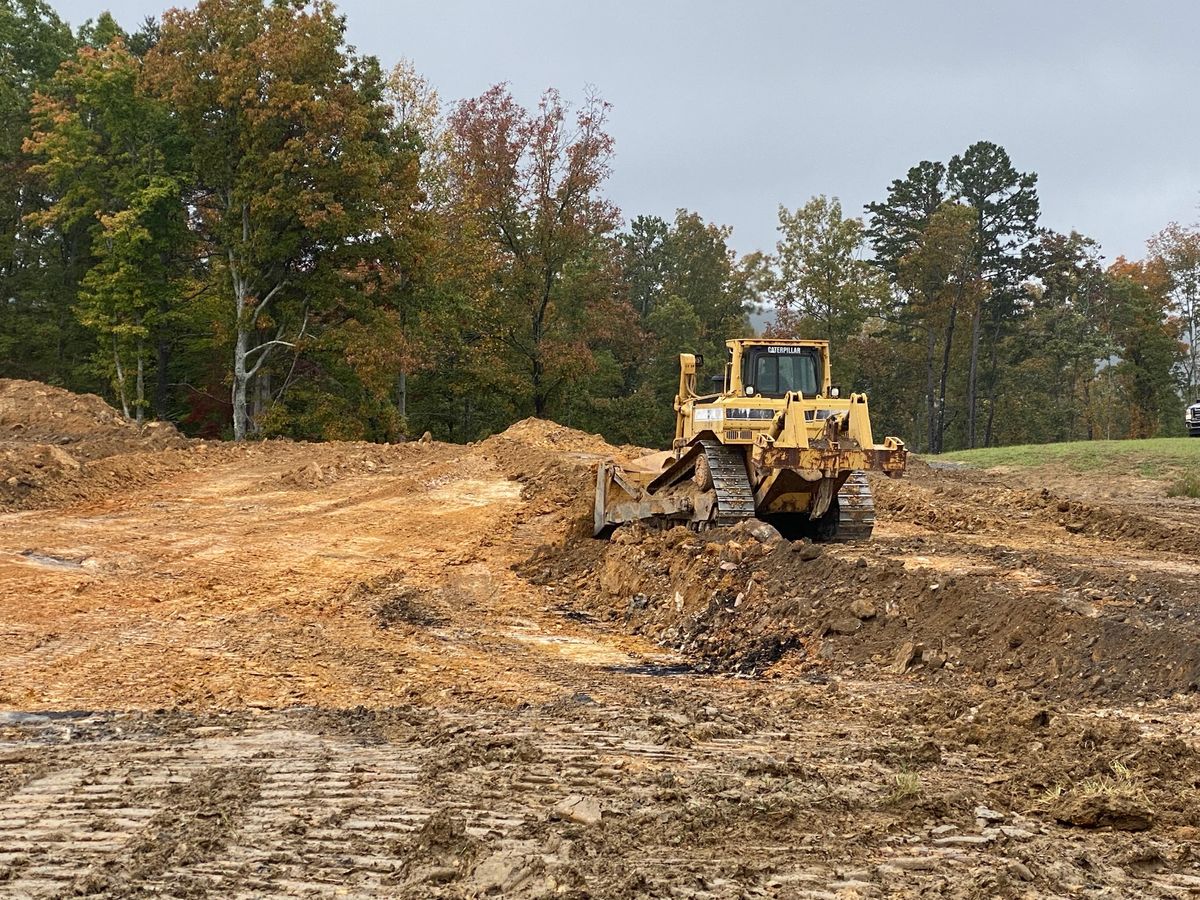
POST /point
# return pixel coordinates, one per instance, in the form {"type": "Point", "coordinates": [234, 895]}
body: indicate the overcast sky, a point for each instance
{"type": "Point", "coordinates": [731, 108]}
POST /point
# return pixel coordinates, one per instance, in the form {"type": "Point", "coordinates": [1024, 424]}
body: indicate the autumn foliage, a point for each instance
{"type": "Point", "coordinates": [231, 219]}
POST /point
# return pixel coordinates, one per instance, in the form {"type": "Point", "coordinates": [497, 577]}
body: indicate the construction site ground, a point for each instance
{"type": "Point", "coordinates": [353, 670]}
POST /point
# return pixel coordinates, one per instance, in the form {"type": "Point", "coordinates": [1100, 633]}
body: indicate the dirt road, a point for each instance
{"type": "Point", "coordinates": [353, 670]}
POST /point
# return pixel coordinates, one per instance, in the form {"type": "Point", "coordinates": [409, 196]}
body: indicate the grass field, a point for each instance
{"type": "Point", "coordinates": [1164, 458]}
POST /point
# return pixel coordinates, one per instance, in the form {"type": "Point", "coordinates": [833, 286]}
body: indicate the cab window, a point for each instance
{"type": "Point", "coordinates": [774, 371]}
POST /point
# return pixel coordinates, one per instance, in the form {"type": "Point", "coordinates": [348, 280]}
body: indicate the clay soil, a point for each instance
{"type": "Point", "coordinates": [354, 670]}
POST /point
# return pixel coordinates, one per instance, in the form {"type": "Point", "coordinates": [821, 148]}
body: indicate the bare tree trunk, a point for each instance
{"type": "Point", "coordinates": [141, 385]}
{"type": "Point", "coordinates": [930, 386]}
{"type": "Point", "coordinates": [972, 373]}
{"type": "Point", "coordinates": [120, 380]}
{"type": "Point", "coordinates": [245, 324]}
{"type": "Point", "coordinates": [262, 400]}
{"type": "Point", "coordinates": [539, 395]}
{"type": "Point", "coordinates": [162, 348]}
{"type": "Point", "coordinates": [941, 403]}
{"type": "Point", "coordinates": [1192, 316]}
{"type": "Point", "coordinates": [241, 345]}
{"type": "Point", "coordinates": [402, 394]}
{"type": "Point", "coordinates": [993, 379]}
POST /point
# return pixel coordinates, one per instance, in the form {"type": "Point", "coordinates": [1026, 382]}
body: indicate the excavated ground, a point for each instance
{"type": "Point", "coordinates": [406, 671]}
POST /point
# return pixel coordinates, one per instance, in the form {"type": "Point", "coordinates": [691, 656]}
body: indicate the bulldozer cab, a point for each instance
{"type": "Point", "coordinates": [764, 369]}
{"type": "Point", "coordinates": [773, 369]}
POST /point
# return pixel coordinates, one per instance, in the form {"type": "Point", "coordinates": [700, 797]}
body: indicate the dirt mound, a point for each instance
{"type": "Point", "coordinates": [1078, 770]}
{"type": "Point", "coordinates": [35, 413]}
{"type": "Point", "coordinates": [49, 437]}
{"type": "Point", "coordinates": [964, 504]}
{"type": "Point", "coordinates": [555, 465]}
{"type": "Point", "coordinates": [742, 599]}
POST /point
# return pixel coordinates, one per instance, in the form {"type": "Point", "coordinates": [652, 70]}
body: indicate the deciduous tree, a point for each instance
{"type": "Point", "coordinates": [285, 128]}
{"type": "Point", "coordinates": [1061, 341]}
{"type": "Point", "coordinates": [819, 281]}
{"type": "Point", "coordinates": [1176, 249]}
{"type": "Point", "coordinates": [1147, 342]}
{"type": "Point", "coordinates": [528, 182]}
{"type": "Point", "coordinates": [39, 265]}
{"type": "Point", "coordinates": [939, 279]}
{"type": "Point", "coordinates": [108, 154]}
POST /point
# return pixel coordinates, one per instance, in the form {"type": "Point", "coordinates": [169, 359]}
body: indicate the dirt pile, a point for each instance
{"type": "Point", "coordinates": [49, 437]}
{"type": "Point", "coordinates": [35, 413]}
{"type": "Point", "coordinates": [972, 504]}
{"type": "Point", "coordinates": [742, 599]}
{"type": "Point", "coordinates": [555, 465]}
{"type": "Point", "coordinates": [1077, 770]}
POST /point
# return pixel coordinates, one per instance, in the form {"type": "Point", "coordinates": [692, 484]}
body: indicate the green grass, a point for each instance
{"type": "Point", "coordinates": [1158, 458]}
{"type": "Point", "coordinates": [1186, 485]}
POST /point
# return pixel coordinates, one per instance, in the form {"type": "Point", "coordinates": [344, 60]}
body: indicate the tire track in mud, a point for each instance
{"type": "Point", "coordinates": [695, 801]}
{"type": "Point", "coordinates": [321, 814]}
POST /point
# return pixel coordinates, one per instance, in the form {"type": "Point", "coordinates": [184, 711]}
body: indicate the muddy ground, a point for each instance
{"type": "Point", "coordinates": [405, 671]}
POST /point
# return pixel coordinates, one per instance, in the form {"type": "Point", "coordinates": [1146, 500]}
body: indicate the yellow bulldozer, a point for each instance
{"type": "Point", "coordinates": [773, 440]}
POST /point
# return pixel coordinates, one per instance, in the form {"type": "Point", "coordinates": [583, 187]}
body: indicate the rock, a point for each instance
{"type": "Point", "coordinates": [931, 659]}
{"type": "Point", "coordinates": [765, 533]}
{"type": "Point", "coordinates": [915, 863]}
{"type": "Point", "coordinates": [988, 815]}
{"type": "Point", "coordinates": [1019, 870]}
{"type": "Point", "coordinates": [728, 566]}
{"type": "Point", "coordinates": [805, 550]}
{"type": "Point", "coordinates": [579, 809]}
{"type": "Point", "coordinates": [1105, 810]}
{"type": "Point", "coordinates": [426, 438]}
{"type": "Point", "coordinates": [56, 457]}
{"type": "Point", "coordinates": [863, 608]}
{"type": "Point", "coordinates": [843, 626]}
{"type": "Point", "coordinates": [502, 872]}
{"type": "Point", "coordinates": [1013, 833]}
{"type": "Point", "coordinates": [905, 657]}
{"type": "Point", "coordinates": [943, 829]}
{"type": "Point", "coordinates": [962, 840]}
{"type": "Point", "coordinates": [1075, 527]}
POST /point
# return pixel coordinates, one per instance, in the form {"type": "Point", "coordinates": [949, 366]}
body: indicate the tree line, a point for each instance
{"type": "Point", "coordinates": [229, 219]}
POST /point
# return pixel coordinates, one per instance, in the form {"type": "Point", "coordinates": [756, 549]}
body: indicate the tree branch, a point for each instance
{"type": "Point", "coordinates": [267, 299]}
{"type": "Point", "coordinates": [272, 344]}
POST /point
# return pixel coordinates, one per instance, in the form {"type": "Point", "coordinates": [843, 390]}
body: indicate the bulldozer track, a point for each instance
{"type": "Point", "coordinates": [323, 810]}
{"type": "Point", "coordinates": [735, 497]}
{"type": "Point", "coordinates": [856, 509]}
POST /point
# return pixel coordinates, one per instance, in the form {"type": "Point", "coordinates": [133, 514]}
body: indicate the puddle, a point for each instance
{"type": "Point", "coordinates": [57, 562]}
{"type": "Point", "coordinates": [574, 615]}
{"type": "Point", "coordinates": [654, 670]}
{"type": "Point", "coordinates": [45, 716]}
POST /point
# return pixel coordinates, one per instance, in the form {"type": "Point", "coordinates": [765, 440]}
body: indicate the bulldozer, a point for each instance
{"type": "Point", "coordinates": [774, 440]}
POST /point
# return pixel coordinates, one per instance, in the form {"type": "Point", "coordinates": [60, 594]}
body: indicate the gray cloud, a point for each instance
{"type": "Point", "coordinates": [731, 109]}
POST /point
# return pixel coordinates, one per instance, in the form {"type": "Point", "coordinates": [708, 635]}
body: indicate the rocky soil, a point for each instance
{"type": "Point", "coordinates": [407, 671]}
